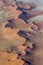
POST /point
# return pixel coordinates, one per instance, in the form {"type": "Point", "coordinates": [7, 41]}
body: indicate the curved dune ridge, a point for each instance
{"type": "Point", "coordinates": [21, 33]}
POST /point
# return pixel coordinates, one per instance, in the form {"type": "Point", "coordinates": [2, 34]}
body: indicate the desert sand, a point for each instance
{"type": "Point", "coordinates": [21, 36]}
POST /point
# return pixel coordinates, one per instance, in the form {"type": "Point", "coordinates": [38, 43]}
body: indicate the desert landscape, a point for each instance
{"type": "Point", "coordinates": [21, 33]}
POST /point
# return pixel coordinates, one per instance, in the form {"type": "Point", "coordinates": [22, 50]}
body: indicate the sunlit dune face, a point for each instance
{"type": "Point", "coordinates": [13, 11]}
{"type": "Point", "coordinates": [12, 34]}
{"type": "Point", "coordinates": [36, 37]}
{"type": "Point", "coordinates": [21, 43]}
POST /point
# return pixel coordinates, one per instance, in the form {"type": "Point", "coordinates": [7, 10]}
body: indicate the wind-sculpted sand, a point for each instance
{"type": "Point", "coordinates": [21, 33]}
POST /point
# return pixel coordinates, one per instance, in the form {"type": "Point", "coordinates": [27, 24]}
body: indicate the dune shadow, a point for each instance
{"type": "Point", "coordinates": [24, 17]}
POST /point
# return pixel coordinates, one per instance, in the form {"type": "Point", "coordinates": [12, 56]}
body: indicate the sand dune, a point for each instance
{"type": "Point", "coordinates": [21, 33]}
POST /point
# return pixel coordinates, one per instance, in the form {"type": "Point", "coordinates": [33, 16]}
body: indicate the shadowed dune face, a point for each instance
{"type": "Point", "coordinates": [36, 38]}
{"type": "Point", "coordinates": [17, 37]}
{"type": "Point", "coordinates": [10, 41]}
{"type": "Point", "coordinates": [28, 14]}
{"type": "Point", "coordinates": [16, 23]}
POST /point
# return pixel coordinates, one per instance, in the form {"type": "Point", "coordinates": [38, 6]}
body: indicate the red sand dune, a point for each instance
{"type": "Point", "coordinates": [21, 43]}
